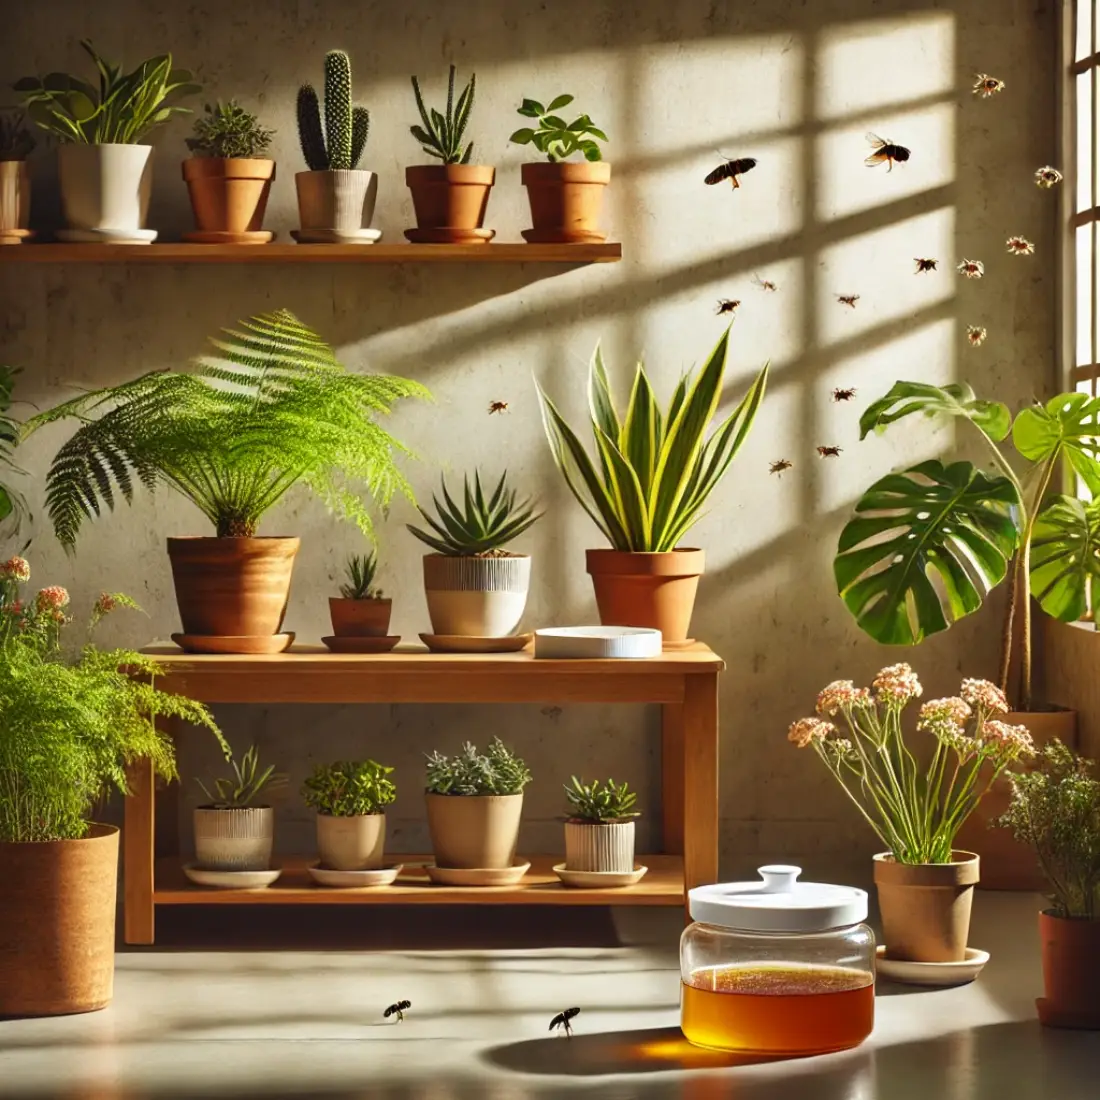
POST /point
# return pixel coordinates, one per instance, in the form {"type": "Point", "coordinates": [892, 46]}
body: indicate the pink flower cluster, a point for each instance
{"type": "Point", "coordinates": [945, 718]}
{"type": "Point", "coordinates": [105, 604]}
{"type": "Point", "coordinates": [52, 599]}
{"type": "Point", "coordinates": [841, 695]}
{"type": "Point", "coordinates": [897, 684]}
{"type": "Point", "coordinates": [16, 569]}
{"type": "Point", "coordinates": [808, 730]}
{"type": "Point", "coordinates": [1011, 741]}
{"type": "Point", "coordinates": [983, 695]}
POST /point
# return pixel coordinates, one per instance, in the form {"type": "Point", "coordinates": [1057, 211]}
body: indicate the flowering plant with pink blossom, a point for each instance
{"type": "Point", "coordinates": [915, 809]}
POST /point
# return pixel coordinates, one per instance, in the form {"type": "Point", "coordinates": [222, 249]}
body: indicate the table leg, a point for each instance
{"type": "Point", "coordinates": [138, 837]}
{"type": "Point", "coordinates": [700, 733]}
{"type": "Point", "coordinates": [672, 778]}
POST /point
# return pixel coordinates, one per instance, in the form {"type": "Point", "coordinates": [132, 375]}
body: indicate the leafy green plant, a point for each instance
{"type": "Point", "coordinates": [272, 410]}
{"type": "Point", "coordinates": [496, 771]}
{"type": "Point", "coordinates": [360, 570]}
{"type": "Point", "coordinates": [13, 508]}
{"type": "Point", "coordinates": [598, 802]}
{"type": "Point", "coordinates": [349, 788]}
{"type": "Point", "coordinates": [16, 141]}
{"type": "Point", "coordinates": [122, 110]}
{"type": "Point", "coordinates": [245, 785]}
{"type": "Point", "coordinates": [340, 143]}
{"type": "Point", "coordinates": [441, 134]}
{"type": "Point", "coordinates": [480, 525]}
{"type": "Point", "coordinates": [655, 469]}
{"type": "Point", "coordinates": [1055, 810]}
{"type": "Point", "coordinates": [227, 130]}
{"type": "Point", "coordinates": [553, 136]}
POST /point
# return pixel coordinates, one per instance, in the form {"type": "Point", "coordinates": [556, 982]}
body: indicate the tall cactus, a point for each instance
{"type": "Point", "coordinates": [310, 134]}
{"type": "Point", "coordinates": [340, 144]}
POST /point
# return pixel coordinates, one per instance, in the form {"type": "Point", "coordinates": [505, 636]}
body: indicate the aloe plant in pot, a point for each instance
{"type": "Point", "coordinates": [360, 611]}
{"type": "Point", "coordinates": [599, 831]}
{"type": "Point", "coordinates": [350, 798]}
{"type": "Point", "coordinates": [16, 144]}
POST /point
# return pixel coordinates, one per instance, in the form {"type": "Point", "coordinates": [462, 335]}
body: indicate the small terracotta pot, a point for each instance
{"type": "Point", "coordinates": [57, 924]}
{"type": "Point", "coordinates": [351, 843]}
{"type": "Point", "coordinates": [229, 194]}
{"type": "Point", "coordinates": [566, 200]}
{"type": "Point", "coordinates": [1071, 972]}
{"type": "Point", "coordinates": [476, 831]}
{"type": "Point", "coordinates": [450, 196]}
{"type": "Point", "coordinates": [602, 846]}
{"type": "Point", "coordinates": [15, 201]}
{"type": "Point", "coordinates": [336, 199]}
{"type": "Point", "coordinates": [236, 839]}
{"type": "Point", "coordinates": [359, 618]}
{"type": "Point", "coordinates": [232, 587]}
{"type": "Point", "coordinates": [476, 597]}
{"type": "Point", "coordinates": [925, 907]}
{"type": "Point", "coordinates": [651, 590]}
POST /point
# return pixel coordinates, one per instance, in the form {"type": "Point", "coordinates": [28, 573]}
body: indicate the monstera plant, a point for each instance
{"type": "Point", "coordinates": [928, 544]}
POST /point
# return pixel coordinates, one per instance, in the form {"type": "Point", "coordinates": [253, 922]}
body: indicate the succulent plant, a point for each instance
{"type": "Point", "coordinates": [245, 785]}
{"type": "Point", "coordinates": [340, 143]}
{"type": "Point", "coordinates": [228, 130]}
{"type": "Point", "coordinates": [596, 801]}
{"type": "Point", "coordinates": [496, 771]}
{"type": "Point", "coordinates": [441, 135]}
{"type": "Point", "coordinates": [349, 788]}
{"type": "Point", "coordinates": [16, 141]}
{"type": "Point", "coordinates": [360, 570]}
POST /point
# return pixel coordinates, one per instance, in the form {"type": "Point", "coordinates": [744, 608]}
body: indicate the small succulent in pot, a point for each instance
{"type": "Point", "coordinates": [599, 830]}
{"type": "Point", "coordinates": [227, 130]}
{"type": "Point", "coordinates": [361, 610]}
{"type": "Point", "coordinates": [350, 797]}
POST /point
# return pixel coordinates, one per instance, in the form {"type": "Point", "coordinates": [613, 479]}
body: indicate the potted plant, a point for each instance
{"type": "Point", "coordinates": [335, 197]}
{"type": "Point", "coordinates": [233, 443]}
{"type": "Point", "coordinates": [566, 196]}
{"type": "Point", "coordinates": [16, 144]}
{"type": "Point", "coordinates": [475, 801]}
{"type": "Point", "coordinates": [70, 723]}
{"type": "Point", "coordinates": [228, 176]}
{"type": "Point", "coordinates": [599, 831]}
{"type": "Point", "coordinates": [449, 198]}
{"type": "Point", "coordinates": [476, 588]}
{"type": "Point", "coordinates": [360, 611]}
{"type": "Point", "coordinates": [925, 884]}
{"type": "Point", "coordinates": [106, 172]}
{"type": "Point", "coordinates": [350, 798]}
{"type": "Point", "coordinates": [1055, 810]}
{"type": "Point", "coordinates": [655, 471]}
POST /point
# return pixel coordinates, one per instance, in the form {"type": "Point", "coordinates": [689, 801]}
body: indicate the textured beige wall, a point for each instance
{"type": "Point", "coordinates": [795, 84]}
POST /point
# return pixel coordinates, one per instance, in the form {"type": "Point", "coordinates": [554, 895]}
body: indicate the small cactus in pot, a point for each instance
{"type": "Point", "coordinates": [599, 829]}
{"type": "Point", "coordinates": [361, 610]}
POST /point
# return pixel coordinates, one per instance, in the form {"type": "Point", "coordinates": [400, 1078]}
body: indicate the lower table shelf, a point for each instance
{"type": "Point", "coordinates": [662, 885]}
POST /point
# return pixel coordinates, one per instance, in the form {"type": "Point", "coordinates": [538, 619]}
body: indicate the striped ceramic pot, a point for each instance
{"type": "Point", "coordinates": [481, 597]}
{"type": "Point", "coordinates": [607, 846]}
{"type": "Point", "coordinates": [237, 839]}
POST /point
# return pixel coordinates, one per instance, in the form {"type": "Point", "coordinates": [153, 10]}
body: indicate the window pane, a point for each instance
{"type": "Point", "coordinates": [1084, 27]}
{"type": "Point", "coordinates": [1084, 140]}
{"type": "Point", "coordinates": [1083, 297]}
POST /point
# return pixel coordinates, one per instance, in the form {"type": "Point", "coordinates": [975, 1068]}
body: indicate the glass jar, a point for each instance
{"type": "Point", "coordinates": [777, 967]}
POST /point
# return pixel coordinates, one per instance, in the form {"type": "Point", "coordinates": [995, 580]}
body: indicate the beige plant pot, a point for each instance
{"type": "Point", "coordinates": [336, 199]}
{"type": "Point", "coordinates": [234, 840]}
{"type": "Point", "coordinates": [607, 846]}
{"type": "Point", "coordinates": [351, 843]}
{"type": "Point", "coordinates": [105, 187]}
{"type": "Point", "coordinates": [925, 907]}
{"type": "Point", "coordinates": [476, 831]}
{"type": "Point", "coordinates": [15, 200]}
{"type": "Point", "coordinates": [480, 597]}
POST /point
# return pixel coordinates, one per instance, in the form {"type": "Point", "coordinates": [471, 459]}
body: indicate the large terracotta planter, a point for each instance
{"type": "Point", "coordinates": [351, 843]}
{"type": "Point", "coordinates": [57, 924]}
{"type": "Point", "coordinates": [450, 201]}
{"type": "Point", "coordinates": [1071, 972]}
{"type": "Point", "coordinates": [925, 907]}
{"type": "Point", "coordinates": [105, 188]}
{"type": "Point", "coordinates": [566, 200]}
{"type": "Point", "coordinates": [652, 590]}
{"type": "Point", "coordinates": [340, 200]}
{"type": "Point", "coordinates": [480, 597]}
{"type": "Point", "coordinates": [477, 831]}
{"type": "Point", "coordinates": [15, 201]}
{"type": "Point", "coordinates": [359, 618]}
{"type": "Point", "coordinates": [229, 198]}
{"type": "Point", "coordinates": [602, 846]}
{"type": "Point", "coordinates": [236, 839]}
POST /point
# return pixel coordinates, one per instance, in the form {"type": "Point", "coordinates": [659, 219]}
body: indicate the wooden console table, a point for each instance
{"type": "Point", "coordinates": [684, 682]}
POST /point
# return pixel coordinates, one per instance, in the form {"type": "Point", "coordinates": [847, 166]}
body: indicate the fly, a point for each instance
{"type": "Point", "coordinates": [397, 1009]}
{"type": "Point", "coordinates": [779, 465]}
{"type": "Point", "coordinates": [844, 394]}
{"type": "Point", "coordinates": [498, 407]}
{"type": "Point", "coordinates": [925, 265]}
{"type": "Point", "coordinates": [848, 300]}
{"type": "Point", "coordinates": [828, 452]}
{"type": "Point", "coordinates": [730, 170]}
{"type": "Point", "coordinates": [887, 152]}
{"type": "Point", "coordinates": [562, 1020]}
{"type": "Point", "coordinates": [727, 305]}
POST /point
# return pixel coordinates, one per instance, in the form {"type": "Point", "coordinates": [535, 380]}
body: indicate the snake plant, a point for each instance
{"type": "Point", "coordinates": [441, 135]}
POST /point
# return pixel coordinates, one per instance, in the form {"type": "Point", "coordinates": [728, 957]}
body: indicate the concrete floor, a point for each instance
{"type": "Point", "coordinates": [230, 1017]}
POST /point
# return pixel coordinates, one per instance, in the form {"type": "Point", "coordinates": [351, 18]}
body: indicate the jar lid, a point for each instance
{"type": "Point", "coordinates": [778, 903]}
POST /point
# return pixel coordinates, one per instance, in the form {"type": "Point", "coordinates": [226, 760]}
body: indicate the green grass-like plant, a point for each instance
{"type": "Point", "coordinates": [360, 570]}
{"type": "Point", "coordinates": [227, 130]}
{"type": "Point", "coordinates": [598, 802]}
{"type": "Point", "coordinates": [339, 144]}
{"type": "Point", "coordinates": [16, 141]}
{"type": "Point", "coordinates": [441, 135]}
{"type": "Point", "coordinates": [555, 138]}
{"type": "Point", "coordinates": [349, 788]}
{"type": "Point", "coordinates": [13, 507]}
{"type": "Point", "coordinates": [241, 789]}
{"type": "Point", "coordinates": [496, 771]}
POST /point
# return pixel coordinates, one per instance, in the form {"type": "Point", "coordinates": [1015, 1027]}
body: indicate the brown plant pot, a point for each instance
{"type": "Point", "coordinates": [1071, 972]}
{"type": "Point", "coordinates": [232, 587]}
{"type": "Point", "coordinates": [925, 907]}
{"type": "Point", "coordinates": [653, 590]}
{"type": "Point", "coordinates": [229, 194]}
{"type": "Point", "coordinates": [15, 201]}
{"type": "Point", "coordinates": [450, 196]}
{"type": "Point", "coordinates": [57, 924]}
{"type": "Point", "coordinates": [566, 200]}
{"type": "Point", "coordinates": [359, 618]}
{"type": "Point", "coordinates": [476, 831]}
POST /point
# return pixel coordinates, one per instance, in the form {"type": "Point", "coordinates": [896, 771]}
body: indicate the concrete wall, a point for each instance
{"type": "Point", "coordinates": [794, 84]}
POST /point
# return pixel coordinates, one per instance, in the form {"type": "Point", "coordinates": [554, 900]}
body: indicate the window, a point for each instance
{"type": "Point", "coordinates": [1081, 317]}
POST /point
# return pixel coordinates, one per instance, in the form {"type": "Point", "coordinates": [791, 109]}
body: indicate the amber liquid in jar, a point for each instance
{"type": "Point", "coordinates": [781, 1009]}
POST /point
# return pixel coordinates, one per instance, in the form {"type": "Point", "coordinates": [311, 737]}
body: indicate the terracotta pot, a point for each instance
{"type": "Point", "coordinates": [229, 194]}
{"type": "Point", "coordinates": [606, 846]}
{"type": "Point", "coordinates": [338, 199]}
{"type": "Point", "coordinates": [229, 587]}
{"type": "Point", "coordinates": [57, 924]}
{"type": "Point", "coordinates": [15, 200]}
{"type": "Point", "coordinates": [1006, 863]}
{"type": "Point", "coordinates": [1071, 972]}
{"type": "Point", "coordinates": [105, 187]}
{"type": "Point", "coordinates": [476, 597]}
{"type": "Point", "coordinates": [238, 839]}
{"type": "Point", "coordinates": [478, 831]}
{"type": "Point", "coordinates": [359, 618]}
{"type": "Point", "coordinates": [652, 590]}
{"type": "Point", "coordinates": [925, 907]}
{"type": "Point", "coordinates": [351, 843]}
{"type": "Point", "coordinates": [450, 196]}
{"type": "Point", "coordinates": [566, 200]}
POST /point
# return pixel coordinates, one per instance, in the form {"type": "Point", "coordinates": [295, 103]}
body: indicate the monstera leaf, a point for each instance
{"type": "Point", "coordinates": [926, 546]}
{"type": "Point", "coordinates": [1066, 426]}
{"type": "Point", "coordinates": [1065, 557]}
{"type": "Point", "coordinates": [957, 399]}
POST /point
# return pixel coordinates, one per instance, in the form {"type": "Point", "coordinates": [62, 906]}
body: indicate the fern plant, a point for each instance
{"type": "Point", "coordinates": [340, 143]}
{"type": "Point", "coordinates": [360, 570]}
{"type": "Point", "coordinates": [598, 802]}
{"type": "Point", "coordinates": [442, 134]}
{"type": "Point", "coordinates": [241, 789]}
{"type": "Point", "coordinates": [496, 771]}
{"type": "Point", "coordinates": [272, 410]}
{"type": "Point", "coordinates": [228, 130]}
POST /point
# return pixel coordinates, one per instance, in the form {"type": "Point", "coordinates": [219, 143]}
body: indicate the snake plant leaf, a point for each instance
{"type": "Point", "coordinates": [925, 547]}
{"type": "Point", "coordinates": [908, 398]}
{"type": "Point", "coordinates": [1066, 426]}
{"type": "Point", "coordinates": [1065, 557]}
{"type": "Point", "coordinates": [600, 403]}
{"type": "Point", "coordinates": [626, 490]}
{"type": "Point", "coordinates": [642, 432]}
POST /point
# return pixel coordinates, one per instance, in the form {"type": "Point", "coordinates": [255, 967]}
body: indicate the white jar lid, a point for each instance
{"type": "Point", "coordinates": [778, 903]}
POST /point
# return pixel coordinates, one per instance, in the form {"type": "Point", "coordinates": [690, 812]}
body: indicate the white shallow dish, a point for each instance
{"type": "Point", "coordinates": [934, 974]}
{"type": "Point", "coordinates": [599, 880]}
{"type": "Point", "coordinates": [231, 880]}
{"type": "Point", "coordinates": [336, 236]}
{"type": "Point", "coordinates": [325, 876]}
{"type": "Point", "coordinates": [107, 236]}
{"type": "Point", "coordinates": [625, 642]}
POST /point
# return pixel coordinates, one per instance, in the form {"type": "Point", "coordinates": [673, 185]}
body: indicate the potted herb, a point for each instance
{"type": "Point", "coordinates": [106, 172]}
{"type": "Point", "coordinates": [350, 798]}
{"type": "Point", "coordinates": [566, 196]}
{"type": "Point", "coordinates": [599, 831]}
{"type": "Point", "coordinates": [475, 801]}
{"type": "Point", "coordinates": [229, 176]}
{"type": "Point", "coordinates": [232, 832]}
{"type": "Point", "coordinates": [450, 198]}
{"type": "Point", "coordinates": [70, 723]}
{"type": "Point", "coordinates": [360, 611]}
{"type": "Point", "coordinates": [335, 197]}
{"type": "Point", "coordinates": [653, 475]}
{"type": "Point", "coordinates": [16, 144]}
{"type": "Point", "coordinates": [1055, 811]}
{"type": "Point", "coordinates": [233, 444]}
{"type": "Point", "coordinates": [475, 587]}
{"type": "Point", "coordinates": [925, 884]}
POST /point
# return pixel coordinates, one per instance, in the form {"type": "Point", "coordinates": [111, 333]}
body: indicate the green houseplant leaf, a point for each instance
{"type": "Point", "coordinates": [958, 399]}
{"type": "Point", "coordinates": [1066, 424]}
{"type": "Point", "coordinates": [1065, 557]}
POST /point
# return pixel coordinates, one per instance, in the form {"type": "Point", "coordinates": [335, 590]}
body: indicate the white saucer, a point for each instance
{"type": "Point", "coordinates": [336, 236]}
{"type": "Point", "coordinates": [938, 974]}
{"type": "Point", "coordinates": [231, 880]}
{"type": "Point", "coordinates": [381, 876]}
{"type": "Point", "coordinates": [599, 880]}
{"type": "Point", "coordinates": [107, 236]}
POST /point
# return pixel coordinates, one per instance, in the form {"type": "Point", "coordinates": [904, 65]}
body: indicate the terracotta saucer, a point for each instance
{"type": "Point", "coordinates": [478, 876]}
{"type": "Point", "coordinates": [599, 880]}
{"type": "Point", "coordinates": [372, 644]}
{"type": "Point", "coordinates": [462, 643]}
{"type": "Point", "coordinates": [219, 236]}
{"type": "Point", "coordinates": [563, 236]}
{"type": "Point", "coordinates": [450, 236]}
{"type": "Point", "coordinates": [381, 876]}
{"type": "Point", "coordinates": [216, 643]}
{"type": "Point", "coordinates": [935, 974]}
{"type": "Point", "coordinates": [231, 880]}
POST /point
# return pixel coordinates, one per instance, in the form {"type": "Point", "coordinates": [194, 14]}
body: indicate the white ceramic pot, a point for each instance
{"type": "Point", "coordinates": [336, 199]}
{"type": "Point", "coordinates": [351, 843]}
{"type": "Point", "coordinates": [476, 597]}
{"type": "Point", "coordinates": [15, 195]}
{"type": "Point", "coordinates": [608, 846]}
{"type": "Point", "coordinates": [234, 840]}
{"type": "Point", "coordinates": [105, 187]}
